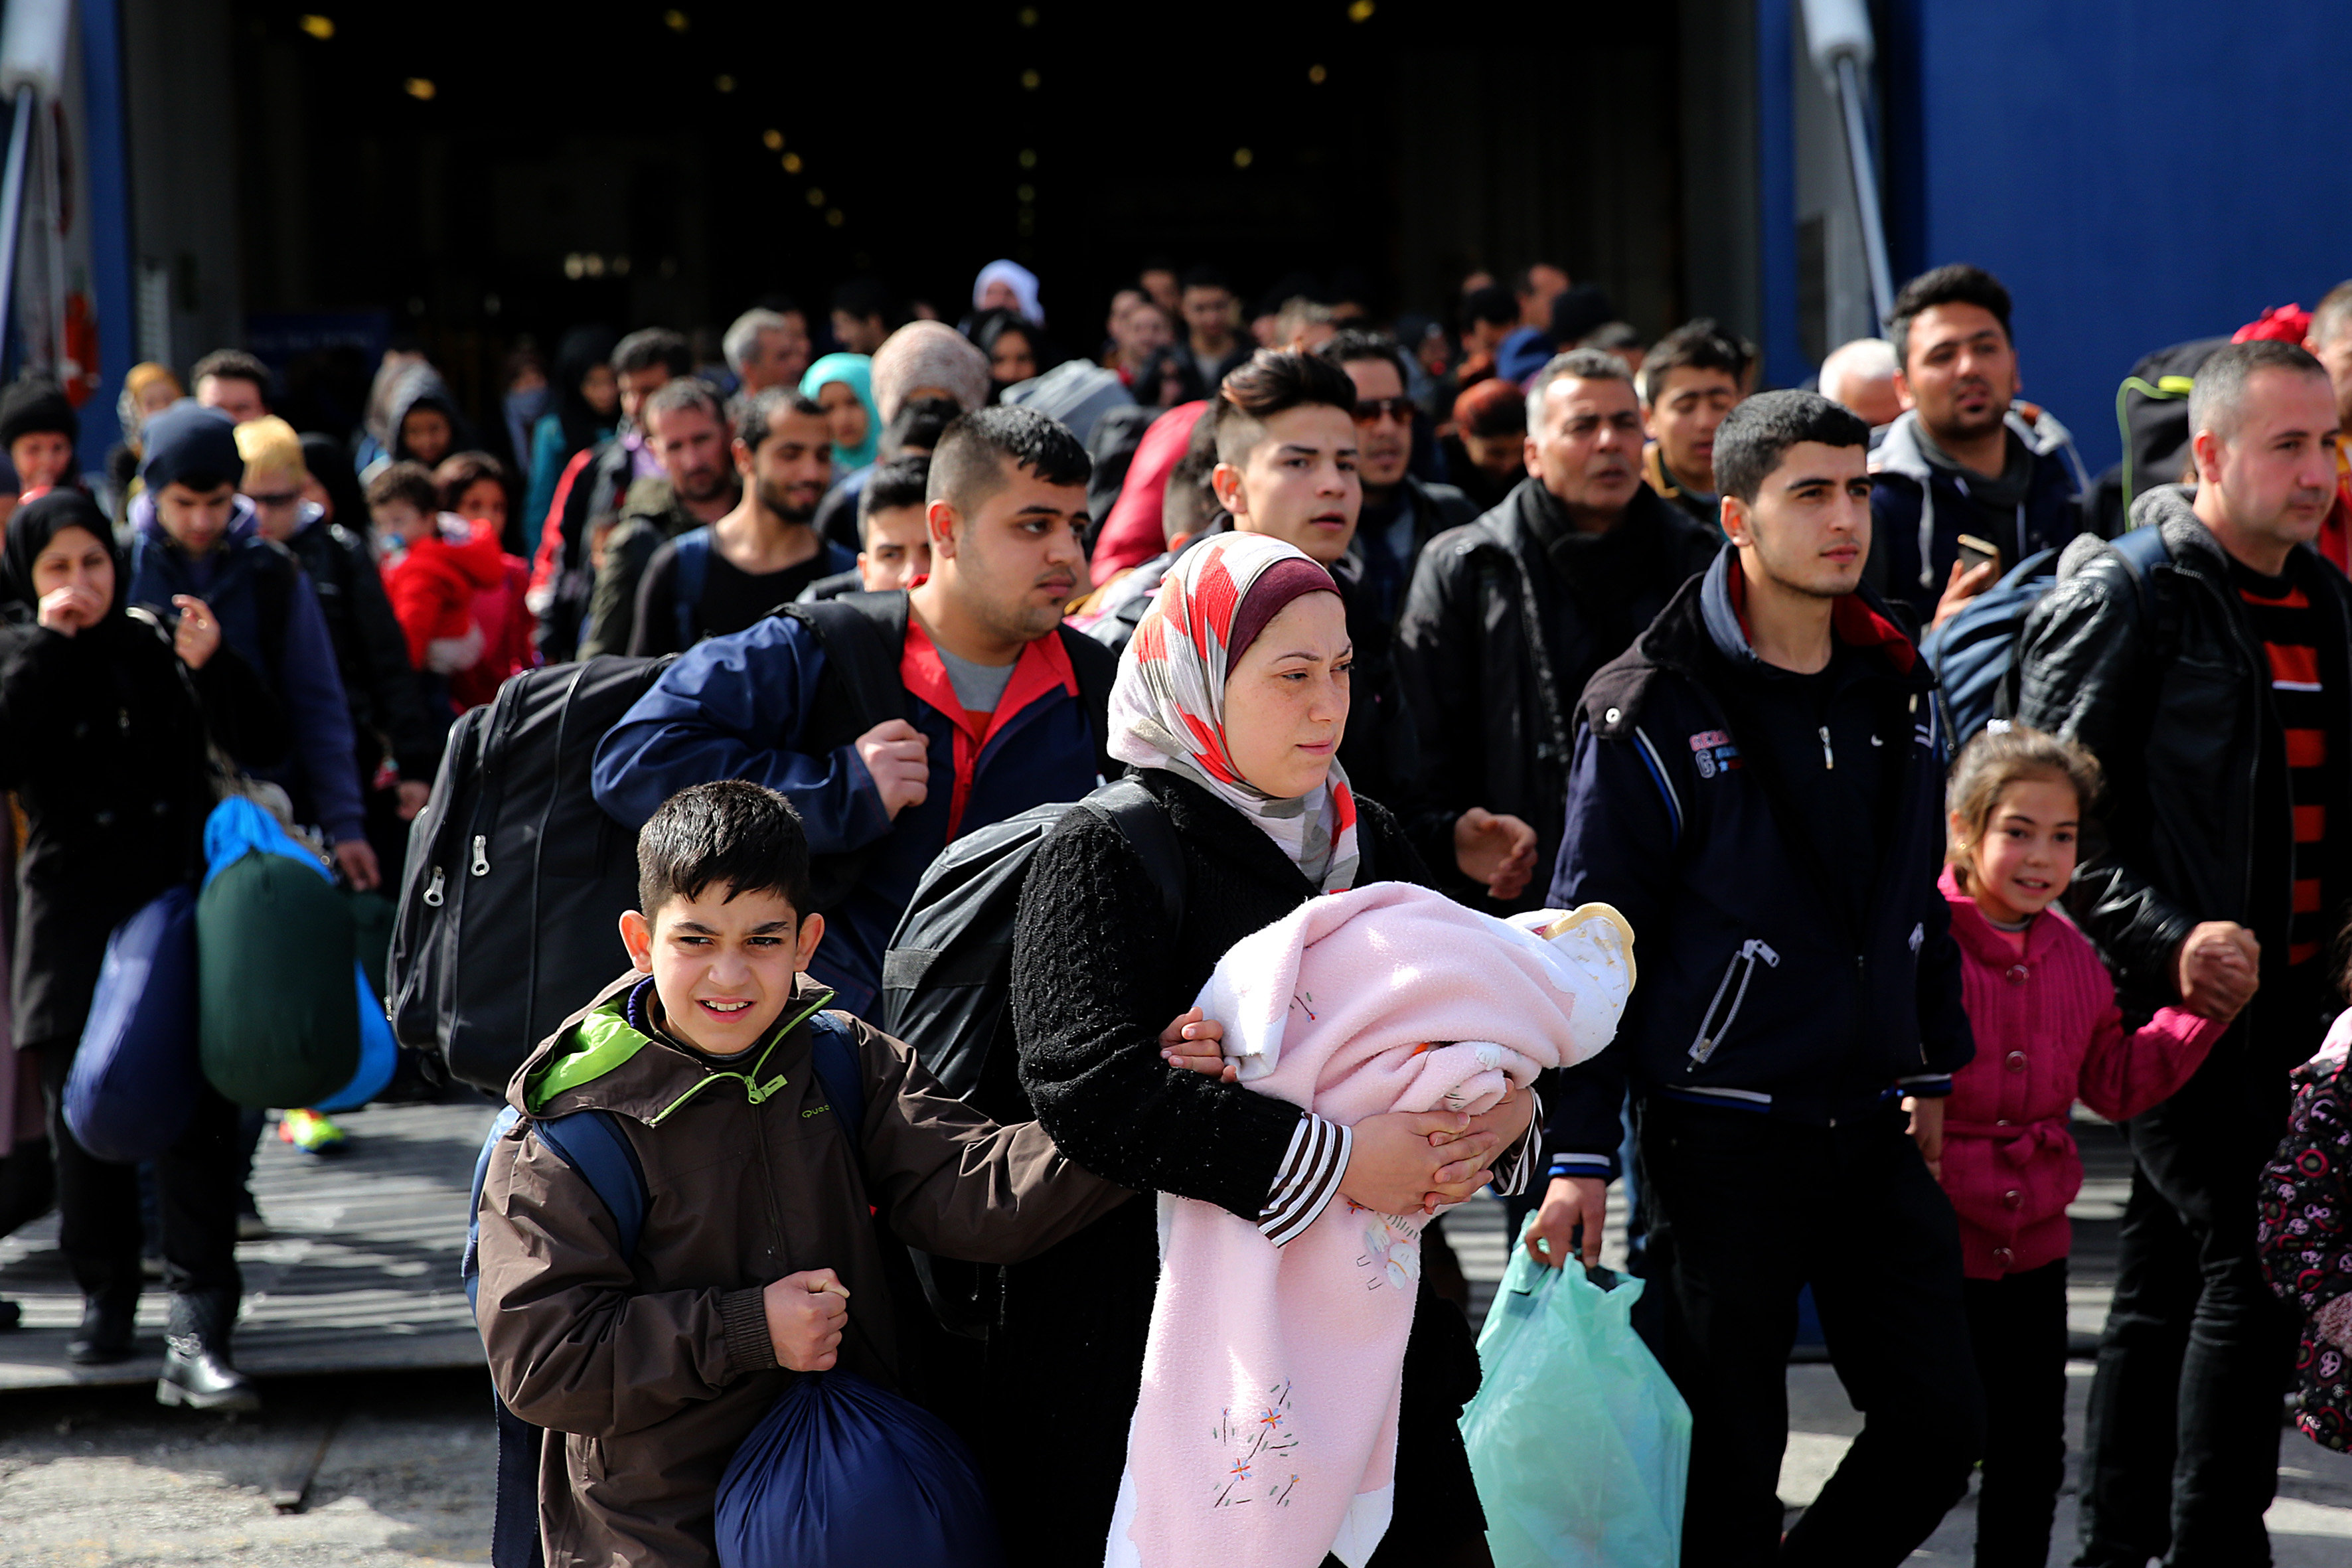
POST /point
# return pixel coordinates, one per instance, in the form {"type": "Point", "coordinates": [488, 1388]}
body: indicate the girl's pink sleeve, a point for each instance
{"type": "Point", "coordinates": [2124, 1075]}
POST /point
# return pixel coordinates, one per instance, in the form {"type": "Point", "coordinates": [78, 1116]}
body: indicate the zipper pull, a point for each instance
{"type": "Point", "coordinates": [1829, 757]}
{"type": "Point", "coordinates": [433, 890]}
{"type": "Point", "coordinates": [482, 850]}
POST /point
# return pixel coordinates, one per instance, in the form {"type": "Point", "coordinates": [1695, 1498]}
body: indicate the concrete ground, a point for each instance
{"type": "Point", "coordinates": [374, 1468]}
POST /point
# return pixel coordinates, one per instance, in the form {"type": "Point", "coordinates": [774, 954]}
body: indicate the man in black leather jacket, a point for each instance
{"type": "Point", "coordinates": [2210, 677]}
{"type": "Point", "coordinates": [1509, 617]}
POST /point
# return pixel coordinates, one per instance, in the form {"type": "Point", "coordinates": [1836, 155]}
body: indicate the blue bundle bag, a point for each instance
{"type": "Point", "coordinates": [135, 1075]}
{"type": "Point", "coordinates": [1579, 1441]}
{"type": "Point", "coordinates": [840, 1474]}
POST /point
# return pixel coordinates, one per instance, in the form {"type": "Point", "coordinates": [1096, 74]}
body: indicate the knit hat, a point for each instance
{"type": "Point", "coordinates": [927, 353]}
{"type": "Point", "coordinates": [36, 407]}
{"type": "Point", "coordinates": [193, 444]}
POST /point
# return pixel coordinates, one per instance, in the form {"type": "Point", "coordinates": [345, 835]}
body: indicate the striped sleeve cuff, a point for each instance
{"type": "Point", "coordinates": [1927, 1086]}
{"type": "Point", "coordinates": [1514, 1170]}
{"type": "Point", "coordinates": [1308, 1179]}
{"type": "Point", "coordinates": [1599, 1166]}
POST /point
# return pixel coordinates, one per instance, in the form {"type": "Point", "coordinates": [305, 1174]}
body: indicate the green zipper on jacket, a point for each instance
{"type": "Point", "coordinates": [610, 1040]}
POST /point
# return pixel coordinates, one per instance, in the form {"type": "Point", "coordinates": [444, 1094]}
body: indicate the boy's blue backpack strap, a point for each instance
{"type": "Point", "coordinates": [590, 1142]}
{"type": "Point", "coordinates": [835, 1046]}
{"type": "Point", "coordinates": [693, 549]}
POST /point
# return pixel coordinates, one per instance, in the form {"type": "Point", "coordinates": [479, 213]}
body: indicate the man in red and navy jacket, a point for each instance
{"type": "Point", "coordinates": [1758, 786]}
{"type": "Point", "coordinates": [995, 707]}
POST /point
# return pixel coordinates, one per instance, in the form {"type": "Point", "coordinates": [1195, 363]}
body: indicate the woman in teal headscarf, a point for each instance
{"type": "Point", "coordinates": [844, 383]}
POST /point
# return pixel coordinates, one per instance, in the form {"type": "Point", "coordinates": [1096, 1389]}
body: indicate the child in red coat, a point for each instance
{"type": "Point", "coordinates": [2048, 1033]}
{"type": "Point", "coordinates": [436, 566]}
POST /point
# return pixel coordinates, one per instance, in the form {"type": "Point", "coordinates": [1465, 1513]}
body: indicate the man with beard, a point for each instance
{"type": "Point", "coordinates": [1002, 708]}
{"type": "Point", "coordinates": [1965, 456]}
{"type": "Point", "coordinates": [1510, 615]}
{"type": "Point", "coordinates": [712, 580]}
{"type": "Point", "coordinates": [686, 430]}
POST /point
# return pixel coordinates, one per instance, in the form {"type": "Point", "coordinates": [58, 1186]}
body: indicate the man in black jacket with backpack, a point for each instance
{"type": "Point", "coordinates": [1758, 786]}
{"type": "Point", "coordinates": [2203, 657]}
{"type": "Point", "coordinates": [910, 718]}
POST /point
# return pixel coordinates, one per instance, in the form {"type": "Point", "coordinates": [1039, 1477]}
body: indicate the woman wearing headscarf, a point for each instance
{"type": "Point", "coordinates": [104, 721]}
{"type": "Point", "coordinates": [928, 359]}
{"type": "Point", "coordinates": [844, 384]}
{"type": "Point", "coordinates": [587, 401]}
{"type": "Point", "coordinates": [1008, 286]}
{"type": "Point", "coordinates": [1231, 703]}
{"type": "Point", "coordinates": [1010, 345]}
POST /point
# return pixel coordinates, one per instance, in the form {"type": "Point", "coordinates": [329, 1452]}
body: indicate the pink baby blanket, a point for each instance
{"type": "Point", "coordinates": [1266, 1433]}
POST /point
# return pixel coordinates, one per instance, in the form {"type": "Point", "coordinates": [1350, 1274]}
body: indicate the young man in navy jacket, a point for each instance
{"type": "Point", "coordinates": [1758, 785]}
{"type": "Point", "coordinates": [1002, 709]}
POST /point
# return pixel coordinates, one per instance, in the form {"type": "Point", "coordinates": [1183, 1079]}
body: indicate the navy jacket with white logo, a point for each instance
{"type": "Point", "coordinates": [1761, 987]}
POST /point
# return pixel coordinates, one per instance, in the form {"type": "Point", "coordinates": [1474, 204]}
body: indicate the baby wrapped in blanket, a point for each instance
{"type": "Point", "coordinates": [1265, 1432]}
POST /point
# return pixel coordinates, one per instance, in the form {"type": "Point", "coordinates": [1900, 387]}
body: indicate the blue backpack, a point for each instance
{"type": "Point", "coordinates": [593, 1143]}
{"type": "Point", "coordinates": [1974, 653]}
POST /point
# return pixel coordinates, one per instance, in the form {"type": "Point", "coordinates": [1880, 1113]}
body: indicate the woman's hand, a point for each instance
{"type": "Point", "coordinates": [198, 636]}
{"type": "Point", "coordinates": [1928, 1130]}
{"type": "Point", "coordinates": [1193, 1042]}
{"type": "Point", "coordinates": [1409, 1161]}
{"type": "Point", "coordinates": [68, 610]}
{"type": "Point", "coordinates": [1499, 851]}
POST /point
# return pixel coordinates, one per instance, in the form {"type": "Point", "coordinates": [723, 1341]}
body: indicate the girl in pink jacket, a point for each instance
{"type": "Point", "coordinates": [2048, 1033]}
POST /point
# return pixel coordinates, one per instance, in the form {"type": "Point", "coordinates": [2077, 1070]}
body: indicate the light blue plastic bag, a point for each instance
{"type": "Point", "coordinates": [1580, 1443]}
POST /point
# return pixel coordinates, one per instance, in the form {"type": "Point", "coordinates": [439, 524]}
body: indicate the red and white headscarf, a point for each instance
{"type": "Point", "coordinates": [1167, 708]}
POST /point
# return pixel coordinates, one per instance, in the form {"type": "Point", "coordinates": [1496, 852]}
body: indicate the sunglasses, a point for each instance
{"type": "Point", "coordinates": [1370, 410]}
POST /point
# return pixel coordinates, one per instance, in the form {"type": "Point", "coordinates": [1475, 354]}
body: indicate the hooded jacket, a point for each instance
{"type": "Point", "coordinates": [1918, 510]}
{"type": "Point", "coordinates": [434, 582]}
{"type": "Point", "coordinates": [2186, 699]}
{"type": "Point", "coordinates": [1495, 642]}
{"type": "Point", "coordinates": [423, 387]}
{"type": "Point", "coordinates": [371, 652]}
{"type": "Point", "coordinates": [1760, 990]}
{"type": "Point", "coordinates": [269, 615]}
{"type": "Point", "coordinates": [647, 1370]}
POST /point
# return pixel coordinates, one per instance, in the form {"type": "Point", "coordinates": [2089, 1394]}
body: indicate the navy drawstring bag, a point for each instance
{"type": "Point", "coordinates": [840, 1474]}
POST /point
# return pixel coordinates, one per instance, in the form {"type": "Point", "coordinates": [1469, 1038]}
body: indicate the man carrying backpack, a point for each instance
{"type": "Point", "coordinates": [2204, 657]}
{"type": "Point", "coordinates": [913, 716]}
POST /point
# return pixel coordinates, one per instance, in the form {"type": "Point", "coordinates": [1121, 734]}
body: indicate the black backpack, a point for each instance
{"type": "Point", "coordinates": [947, 978]}
{"type": "Point", "coordinates": [516, 879]}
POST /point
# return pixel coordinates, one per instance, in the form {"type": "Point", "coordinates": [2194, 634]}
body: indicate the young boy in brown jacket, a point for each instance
{"type": "Point", "coordinates": [757, 1259]}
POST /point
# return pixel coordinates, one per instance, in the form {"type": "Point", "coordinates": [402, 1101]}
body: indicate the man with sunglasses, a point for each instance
{"type": "Point", "coordinates": [1402, 512]}
{"type": "Point", "coordinates": [1509, 617]}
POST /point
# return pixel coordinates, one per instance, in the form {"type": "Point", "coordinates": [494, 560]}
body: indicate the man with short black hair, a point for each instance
{"type": "Point", "coordinates": [686, 430]}
{"type": "Point", "coordinates": [234, 381]}
{"type": "Point", "coordinates": [1402, 512]}
{"type": "Point", "coordinates": [863, 311]}
{"type": "Point", "coordinates": [766, 348]}
{"type": "Point", "coordinates": [1536, 285]}
{"type": "Point", "coordinates": [1965, 456]}
{"type": "Point", "coordinates": [1759, 786]}
{"type": "Point", "coordinates": [192, 533]}
{"type": "Point", "coordinates": [1488, 316]}
{"type": "Point", "coordinates": [1690, 381]}
{"type": "Point", "coordinates": [725, 575]}
{"type": "Point", "coordinates": [2206, 657]}
{"type": "Point", "coordinates": [999, 708]}
{"type": "Point", "coordinates": [1209, 343]}
{"type": "Point", "coordinates": [1510, 615]}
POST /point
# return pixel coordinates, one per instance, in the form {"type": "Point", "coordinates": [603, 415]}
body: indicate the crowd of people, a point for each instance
{"type": "Point", "coordinates": [1514, 601]}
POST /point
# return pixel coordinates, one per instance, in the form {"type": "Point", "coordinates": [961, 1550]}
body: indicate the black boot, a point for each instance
{"type": "Point", "coordinates": [196, 1368]}
{"type": "Point", "coordinates": [104, 1336]}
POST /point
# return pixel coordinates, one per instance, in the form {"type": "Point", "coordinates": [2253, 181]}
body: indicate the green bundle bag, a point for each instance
{"type": "Point", "coordinates": [276, 1022]}
{"type": "Point", "coordinates": [1579, 1441]}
